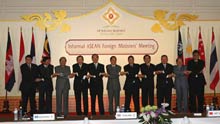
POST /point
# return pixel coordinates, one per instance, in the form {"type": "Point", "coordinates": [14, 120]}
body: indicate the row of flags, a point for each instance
{"type": "Point", "coordinates": [214, 69]}
{"type": "Point", "coordinates": [9, 63]}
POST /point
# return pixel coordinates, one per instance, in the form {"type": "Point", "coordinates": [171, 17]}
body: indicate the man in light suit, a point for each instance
{"type": "Point", "coordinates": [96, 72]}
{"type": "Point", "coordinates": [62, 87]}
{"type": "Point", "coordinates": [80, 70]}
{"type": "Point", "coordinates": [164, 72]}
{"type": "Point", "coordinates": [113, 84]}
{"type": "Point", "coordinates": [181, 85]}
{"type": "Point", "coordinates": [29, 72]}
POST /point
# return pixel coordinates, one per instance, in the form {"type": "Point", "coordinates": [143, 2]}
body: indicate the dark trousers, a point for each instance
{"type": "Point", "coordinates": [45, 101]}
{"type": "Point", "coordinates": [196, 98]}
{"type": "Point", "coordinates": [78, 94]}
{"type": "Point", "coordinates": [99, 93]}
{"type": "Point", "coordinates": [147, 95]}
{"type": "Point", "coordinates": [133, 92]}
{"type": "Point", "coordinates": [164, 94]}
{"type": "Point", "coordinates": [31, 96]}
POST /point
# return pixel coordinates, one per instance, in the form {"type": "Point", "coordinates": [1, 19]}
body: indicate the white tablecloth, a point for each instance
{"type": "Point", "coordinates": [175, 121]}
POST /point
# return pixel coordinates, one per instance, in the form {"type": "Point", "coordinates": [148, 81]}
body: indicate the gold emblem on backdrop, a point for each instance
{"type": "Point", "coordinates": [163, 19]}
{"type": "Point", "coordinates": [111, 16]}
{"type": "Point", "coordinates": [47, 21]}
{"type": "Point", "coordinates": [170, 22]}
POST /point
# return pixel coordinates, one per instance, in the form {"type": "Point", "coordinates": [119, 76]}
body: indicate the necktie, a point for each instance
{"type": "Point", "coordinates": [96, 65]}
{"type": "Point", "coordinates": [164, 66]}
{"type": "Point", "coordinates": [29, 66]}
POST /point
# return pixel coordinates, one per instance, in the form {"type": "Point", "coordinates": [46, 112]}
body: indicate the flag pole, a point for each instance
{"type": "Point", "coordinates": [6, 102]}
{"type": "Point", "coordinates": [215, 99]}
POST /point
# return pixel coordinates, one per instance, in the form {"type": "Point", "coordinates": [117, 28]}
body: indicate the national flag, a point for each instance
{"type": "Point", "coordinates": [188, 55]}
{"type": "Point", "coordinates": [214, 68]}
{"type": "Point", "coordinates": [9, 66]}
{"type": "Point", "coordinates": [32, 53]}
{"type": "Point", "coordinates": [46, 49]}
{"type": "Point", "coordinates": [201, 47]}
{"type": "Point", "coordinates": [21, 55]}
{"type": "Point", "coordinates": [180, 46]}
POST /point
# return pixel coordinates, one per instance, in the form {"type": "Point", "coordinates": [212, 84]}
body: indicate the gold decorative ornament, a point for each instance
{"type": "Point", "coordinates": [46, 20]}
{"type": "Point", "coordinates": [163, 21]}
{"type": "Point", "coordinates": [173, 22]}
{"type": "Point", "coordinates": [156, 28]}
{"type": "Point", "coordinates": [111, 16]}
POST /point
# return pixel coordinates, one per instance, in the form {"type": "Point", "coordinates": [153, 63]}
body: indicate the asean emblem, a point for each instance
{"type": "Point", "coordinates": [111, 16]}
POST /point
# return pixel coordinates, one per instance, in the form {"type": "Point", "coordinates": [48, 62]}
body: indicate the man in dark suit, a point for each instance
{"type": "Point", "coordinates": [164, 73]}
{"type": "Point", "coordinates": [196, 82]}
{"type": "Point", "coordinates": [80, 70]}
{"type": "Point", "coordinates": [29, 72]}
{"type": "Point", "coordinates": [45, 86]}
{"type": "Point", "coordinates": [147, 83]}
{"type": "Point", "coordinates": [132, 84]}
{"type": "Point", "coordinates": [96, 71]}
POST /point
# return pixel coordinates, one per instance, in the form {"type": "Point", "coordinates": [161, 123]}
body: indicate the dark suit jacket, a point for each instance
{"type": "Point", "coordinates": [162, 79]}
{"type": "Point", "coordinates": [45, 73]}
{"type": "Point", "coordinates": [97, 82]}
{"type": "Point", "coordinates": [28, 77]}
{"type": "Point", "coordinates": [196, 68]}
{"type": "Point", "coordinates": [131, 80]}
{"type": "Point", "coordinates": [80, 81]}
{"type": "Point", "coordinates": [148, 80]}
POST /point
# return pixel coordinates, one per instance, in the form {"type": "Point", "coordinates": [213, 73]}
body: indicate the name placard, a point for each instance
{"type": "Point", "coordinates": [215, 113]}
{"type": "Point", "coordinates": [126, 115]}
{"type": "Point", "coordinates": [42, 117]}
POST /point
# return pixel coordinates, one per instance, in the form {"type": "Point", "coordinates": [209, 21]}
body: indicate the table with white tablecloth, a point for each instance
{"type": "Point", "coordinates": [215, 120]}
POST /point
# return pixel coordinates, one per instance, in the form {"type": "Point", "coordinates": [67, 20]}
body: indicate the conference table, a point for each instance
{"type": "Point", "coordinates": [135, 121]}
{"type": "Point", "coordinates": [111, 120]}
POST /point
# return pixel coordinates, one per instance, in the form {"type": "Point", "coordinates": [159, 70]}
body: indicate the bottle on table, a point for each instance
{"type": "Point", "coordinates": [122, 108]}
{"type": "Point", "coordinates": [20, 113]}
{"type": "Point", "coordinates": [118, 109]}
{"type": "Point", "coordinates": [212, 107]}
{"type": "Point", "coordinates": [15, 114]}
{"type": "Point", "coordinates": [86, 120]}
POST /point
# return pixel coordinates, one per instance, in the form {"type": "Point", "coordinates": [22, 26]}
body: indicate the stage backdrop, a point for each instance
{"type": "Point", "coordinates": [108, 30]}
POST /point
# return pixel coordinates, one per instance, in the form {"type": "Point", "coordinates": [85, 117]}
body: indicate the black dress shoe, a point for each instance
{"type": "Point", "coordinates": [79, 113]}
